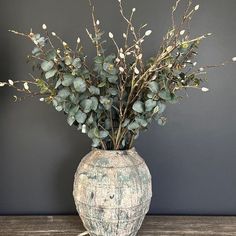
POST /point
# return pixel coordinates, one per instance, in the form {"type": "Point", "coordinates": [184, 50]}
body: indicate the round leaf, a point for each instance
{"type": "Point", "coordinates": [138, 107]}
{"type": "Point", "coordinates": [47, 65]}
{"type": "Point", "coordinates": [79, 85]}
{"type": "Point", "coordinates": [50, 74]}
{"type": "Point", "coordinates": [67, 80]}
{"type": "Point", "coordinates": [80, 117]}
{"type": "Point", "coordinates": [153, 86]}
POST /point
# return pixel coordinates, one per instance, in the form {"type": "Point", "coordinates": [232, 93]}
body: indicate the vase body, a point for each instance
{"type": "Point", "coordinates": [112, 192]}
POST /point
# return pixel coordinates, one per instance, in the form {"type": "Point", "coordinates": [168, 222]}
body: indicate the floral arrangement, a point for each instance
{"type": "Point", "coordinates": [122, 93]}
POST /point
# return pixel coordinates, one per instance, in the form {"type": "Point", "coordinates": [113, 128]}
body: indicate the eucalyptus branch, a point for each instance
{"type": "Point", "coordinates": [121, 93]}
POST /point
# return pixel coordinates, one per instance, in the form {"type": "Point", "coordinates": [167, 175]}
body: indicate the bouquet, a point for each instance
{"type": "Point", "coordinates": [121, 93]}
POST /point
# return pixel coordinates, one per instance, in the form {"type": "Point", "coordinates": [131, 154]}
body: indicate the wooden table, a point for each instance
{"type": "Point", "coordinates": [153, 225]}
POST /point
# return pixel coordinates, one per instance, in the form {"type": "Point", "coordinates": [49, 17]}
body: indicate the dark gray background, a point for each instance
{"type": "Point", "coordinates": [192, 159]}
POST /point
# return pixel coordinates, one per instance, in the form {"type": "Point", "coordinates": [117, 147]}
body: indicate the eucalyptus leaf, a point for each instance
{"type": "Point", "coordinates": [104, 134]}
{"type": "Point", "coordinates": [87, 105]}
{"type": "Point", "coordinates": [165, 95]}
{"type": "Point", "coordinates": [58, 83]}
{"type": "Point", "coordinates": [153, 86]}
{"type": "Point", "coordinates": [79, 85]}
{"type": "Point", "coordinates": [51, 54]}
{"type": "Point", "coordinates": [133, 126]}
{"type": "Point", "coordinates": [141, 121]}
{"type": "Point", "coordinates": [126, 122]}
{"type": "Point", "coordinates": [80, 117]}
{"type": "Point", "coordinates": [47, 65]}
{"type": "Point", "coordinates": [94, 105]}
{"type": "Point", "coordinates": [113, 79]}
{"type": "Point", "coordinates": [64, 93]}
{"type": "Point", "coordinates": [150, 104]}
{"type": "Point", "coordinates": [102, 84]}
{"type": "Point", "coordinates": [59, 108]}
{"type": "Point", "coordinates": [138, 107]}
{"type": "Point", "coordinates": [67, 80]}
{"type": "Point", "coordinates": [50, 74]}
{"type": "Point", "coordinates": [77, 63]}
{"type": "Point", "coordinates": [161, 106]}
{"type": "Point", "coordinates": [94, 90]}
{"type": "Point", "coordinates": [112, 91]}
{"type": "Point", "coordinates": [36, 51]}
{"type": "Point", "coordinates": [96, 142]}
{"type": "Point", "coordinates": [70, 120]}
{"type": "Point", "coordinates": [110, 58]}
{"type": "Point", "coordinates": [90, 120]}
{"type": "Point", "coordinates": [106, 102]}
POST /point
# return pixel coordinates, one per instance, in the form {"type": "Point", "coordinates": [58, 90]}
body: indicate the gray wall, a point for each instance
{"type": "Point", "coordinates": [192, 159]}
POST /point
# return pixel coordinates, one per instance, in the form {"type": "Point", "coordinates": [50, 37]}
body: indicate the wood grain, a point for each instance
{"type": "Point", "coordinates": [153, 225]}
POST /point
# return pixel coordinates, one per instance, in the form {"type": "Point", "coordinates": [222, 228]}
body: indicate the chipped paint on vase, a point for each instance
{"type": "Point", "coordinates": [112, 192]}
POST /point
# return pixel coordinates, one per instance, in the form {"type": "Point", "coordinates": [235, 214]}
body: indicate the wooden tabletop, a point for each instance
{"type": "Point", "coordinates": [153, 225]}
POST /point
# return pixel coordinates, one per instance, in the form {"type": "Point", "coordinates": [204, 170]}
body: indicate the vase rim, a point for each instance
{"type": "Point", "coordinates": [113, 151]}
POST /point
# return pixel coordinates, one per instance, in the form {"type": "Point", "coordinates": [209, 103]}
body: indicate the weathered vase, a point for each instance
{"type": "Point", "coordinates": [112, 192]}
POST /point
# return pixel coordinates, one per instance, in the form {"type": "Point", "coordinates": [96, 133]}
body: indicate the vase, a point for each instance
{"type": "Point", "coordinates": [112, 192]}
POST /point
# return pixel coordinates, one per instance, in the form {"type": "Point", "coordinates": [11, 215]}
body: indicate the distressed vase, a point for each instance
{"type": "Point", "coordinates": [112, 192]}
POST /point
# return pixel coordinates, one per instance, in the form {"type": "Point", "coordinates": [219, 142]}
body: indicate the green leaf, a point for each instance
{"type": "Point", "coordinates": [59, 108]}
{"type": "Point", "coordinates": [47, 65]}
{"type": "Point", "coordinates": [107, 124]}
{"type": "Point", "coordinates": [98, 59]}
{"type": "Point", "coordinates": [141, 121]}
{"type": "Point", "coordinates": [36, 51]}
{"type": "Point", "coordinates": [112, 91]}
{"type": "Point", "coordinates": [73, 110]}
{"type": "Point", "coordinates": [67, 80]}
{"type": "Point", "coordinates": [94, 90]}
{"type": "Point", "coordinates": [96, 142]}
{"type": "Point", "coordinates": [51, 54]}
{"type": "Point", "coordinates": [102, 84]}
{"type": "Point", "coordinates": [161, 106]}
{"type": "Point", "coordinates": [41, 41]}
{"type": "Point", "coordinates": [64, 93]}
{"type": "Point", "coordinates": [74, 98]}
{"type": "Point", "coordinates": [153, 86]}
{"type": "Point", "coordinates": [150, 104]}
{"type": "Point", "coordinates": [133, 126]}
{"type": "Point", "coordinates": [165, 95]}
{"type": "Point", "coordinates": [94, 105]}
{"type": "Point", "coordinates": [113, 79]}
{"type": "Point", "coordinates": [109, 68]}
{"type": "Point", "coordinates": [96, 133]}
{"type": "Point", "coordinates": [104, 134]}
{"type": "Point", "coordinates": [70, 120]}
{"type": "Point", "coordinates": [106, 102]}
{"type": "Point", "coordinates": [79, 85]}
{"type": "Point", "coordinates": [90, 120]}
{"type": "Point", "coordinates": [58, 83]}
{"type": "Point", "coordinates": [126, 122]}
{"type": "Point", "coordinates": [86, 105]}
{"type": "Point", "coordinates": [110, 58]}
{"type": "Point", "coordinates": [77, 63]}
{"type": "Point", "coordinates": [50, 74]}
{"type": "Point", "coordinates": [174, 99]}
{"type": "Point", "coordinates": [80, 117]}
{"type": "Point", "coordinates": [138, 107]}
